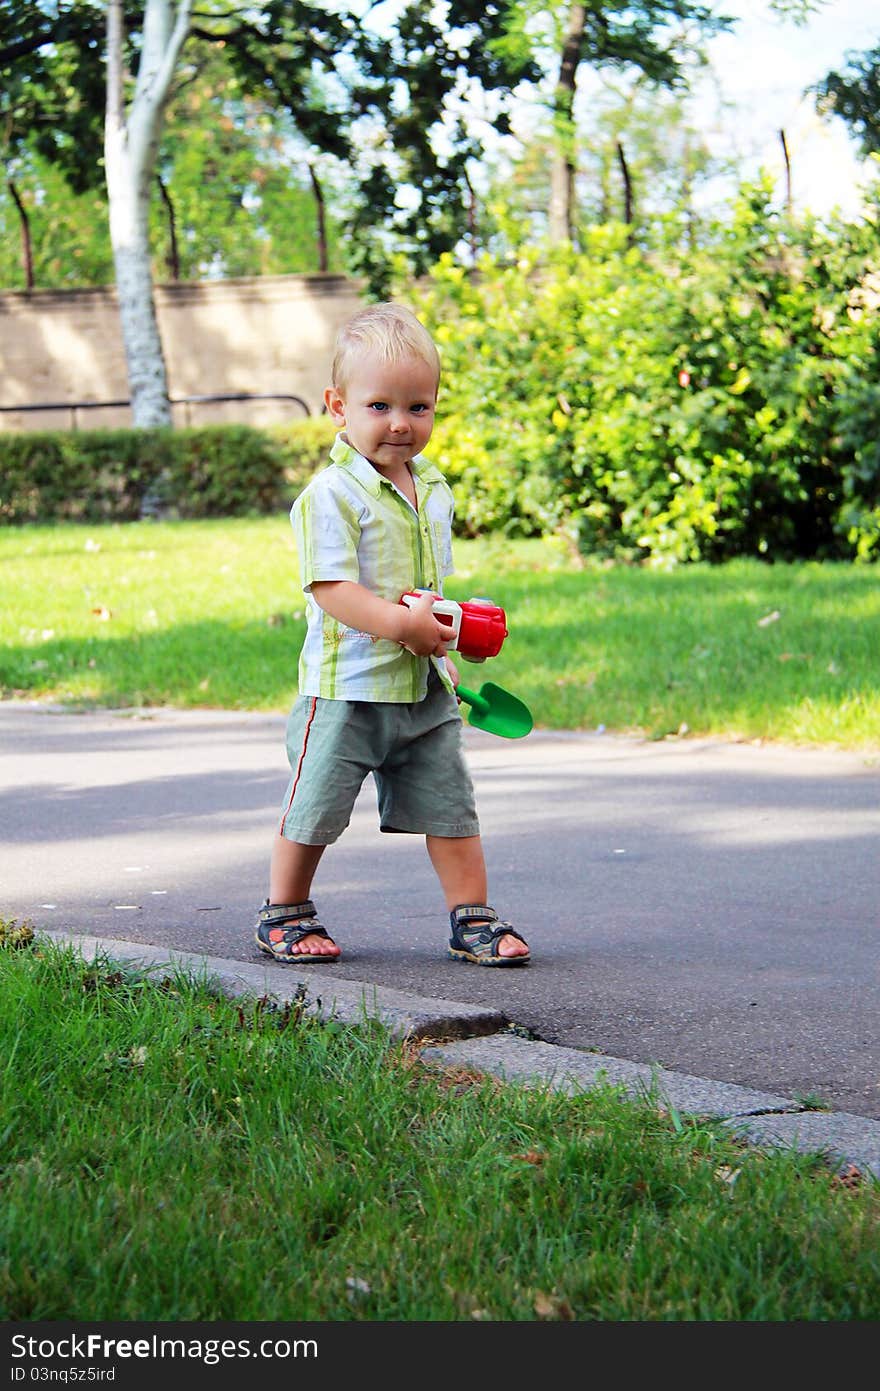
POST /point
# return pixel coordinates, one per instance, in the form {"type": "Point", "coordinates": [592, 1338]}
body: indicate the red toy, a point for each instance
{"type": "Point", "coordinates": [479, 626]}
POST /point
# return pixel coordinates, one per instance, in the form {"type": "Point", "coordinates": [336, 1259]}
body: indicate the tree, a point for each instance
{"type": "Point", "coordinates": [394, 109]}
{"type": "Point", "coordinates": [60, 43]}
{"type": "Point", "coordinates": [382, 105]}
{"type": "Point", "coordinates": [237, 191]}
{"type": "Point", "coordinates": [233, 194]}
{"type": "Point", "coordinates": [665, 157]}
{"type": "Point", "coordinates": [391, 108]}
{"type": "Point", "coordinates": [656, 38]}
{"type": "Point", "coordinates": [640, 160]}
{"type": "Point", "coordinates": [854, 96]}
{"type": "Point", "coordinates": [51, 91]}
{"type": "Point", "coordinates": [69, 238]}
{"type": "Point", "coordinates": [130, 150]}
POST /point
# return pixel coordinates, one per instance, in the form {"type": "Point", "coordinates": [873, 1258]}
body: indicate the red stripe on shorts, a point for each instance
{"type": "Point", "coordinates": [299, 763]}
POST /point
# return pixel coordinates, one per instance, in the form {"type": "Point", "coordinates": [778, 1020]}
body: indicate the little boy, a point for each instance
{"type": "Point", "coordinates": [376, 689]}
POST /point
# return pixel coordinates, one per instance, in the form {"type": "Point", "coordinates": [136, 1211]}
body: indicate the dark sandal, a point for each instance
{"type": "Point", "coordinates": [476, 932]}
{"type": "Point", "coordinates": [280, 941]}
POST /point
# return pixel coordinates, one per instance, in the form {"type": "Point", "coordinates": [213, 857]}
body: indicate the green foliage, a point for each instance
{"type": "Point", "coordinates": [69, 232]}
{"type": "Point", "coordinates": [854, 95]}
{"type": "Point", "coordinates": [52, 84]}
{"type": "Point", "coordinates": [89, 476]}
{"type": "Point", "coordinates": [103, 475]}
{"type": "Point", "coordinates": [305, 445]}
{"type": "Point", "coordinates": [670, 406]}
{"type": "Point", "coordinates": [259, 98]}
{"type": "Point", "coordinates": [859, 429]}
{"type": "Point", "coordinates": [667, 159]}
{"type": "Point", "coordinates": [378, 107]}
{"type": "Point", "coordinates": [235, 177]}
{"type": "Point", "coordinates": [233, 186]}
{"type": "Point", "coordinates": [51, 121]}
{"type": "Point", "coordinates": [223, 471]}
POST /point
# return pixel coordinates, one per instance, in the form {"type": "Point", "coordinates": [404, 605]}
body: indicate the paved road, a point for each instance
{"type": "Point", "coordinates": [709, 907]}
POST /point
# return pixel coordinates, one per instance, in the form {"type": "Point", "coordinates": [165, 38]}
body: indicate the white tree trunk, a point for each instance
{"type": "Point", "coordinates": [131, 140]}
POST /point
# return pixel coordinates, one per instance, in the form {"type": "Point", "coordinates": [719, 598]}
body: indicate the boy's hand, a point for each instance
{"type": "Point", "coordinates": [414, 628]}
{"type": "Point", "coordinates": [423, 635]}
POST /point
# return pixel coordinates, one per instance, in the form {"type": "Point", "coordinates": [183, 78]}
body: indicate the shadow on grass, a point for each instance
{"type": "Point", "coordinates": [765, 647]}
{"type": "Point", "coordinates": [762, 650]}
{"type": "Point", "coordinates": [212, 664]}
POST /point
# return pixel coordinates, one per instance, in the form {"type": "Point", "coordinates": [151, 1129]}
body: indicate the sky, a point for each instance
{"type": "Point", "coordinates": [762, 68]}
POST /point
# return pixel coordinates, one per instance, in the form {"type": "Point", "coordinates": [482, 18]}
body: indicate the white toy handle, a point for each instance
{"type": "Point", "coordinates": [447, 607]}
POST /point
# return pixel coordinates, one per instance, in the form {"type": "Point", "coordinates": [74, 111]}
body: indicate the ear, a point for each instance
{"type": "Point", "coordinates": [335, 405]}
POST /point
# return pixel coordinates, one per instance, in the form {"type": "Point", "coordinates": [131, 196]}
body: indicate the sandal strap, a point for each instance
{"type": "Point", "coordinates": [292, 936]}
{"type": "Point", "coordinates": [281, 927]}
{"type": "Point", "coordinates": [276, 914]}
{"type": "Point", "coordinates": [469, 912]}
{"type": "Point", "coordinates": [482, 924]}
{"type": "Point", "coordinates": [487, 934]}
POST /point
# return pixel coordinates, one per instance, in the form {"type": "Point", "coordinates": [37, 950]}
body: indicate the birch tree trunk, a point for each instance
{"type": "Point", "coordinates": [562, 170]}
{"type": "Point", "coordinates": [130, 146]}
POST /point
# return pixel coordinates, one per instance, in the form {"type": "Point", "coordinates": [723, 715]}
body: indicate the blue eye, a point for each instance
{"type": "Point", "coordinates": [378, 406]}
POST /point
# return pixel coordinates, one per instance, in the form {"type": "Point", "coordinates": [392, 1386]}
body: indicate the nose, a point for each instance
{"type": "Point", "coordinates": [398, 424]}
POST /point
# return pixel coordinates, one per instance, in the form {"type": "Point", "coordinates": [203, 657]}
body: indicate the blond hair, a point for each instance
{"type": "Point", "coordinates": [390, 331]}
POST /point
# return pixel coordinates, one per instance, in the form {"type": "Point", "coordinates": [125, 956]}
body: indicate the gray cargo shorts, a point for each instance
{"type": "Point", "coordinates": [415, 753]}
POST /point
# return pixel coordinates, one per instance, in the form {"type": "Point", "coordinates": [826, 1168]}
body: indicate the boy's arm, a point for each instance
{"type": "Point", "coordinates": [415, 627]}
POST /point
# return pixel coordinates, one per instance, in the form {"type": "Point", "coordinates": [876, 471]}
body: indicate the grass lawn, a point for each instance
{"type": "Point", "coordinates": [168, 1155]}
{"type": "Point", "coordinates": [211, 614]}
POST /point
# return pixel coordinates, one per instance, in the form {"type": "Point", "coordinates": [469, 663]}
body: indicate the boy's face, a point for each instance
{"type": "Point", "coordinates": [386, 409]}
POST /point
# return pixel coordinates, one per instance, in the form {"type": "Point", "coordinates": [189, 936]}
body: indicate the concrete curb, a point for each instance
{"type": "Point", "coordinates": [759, 1118]}
{"type": "Point", "coordinates": [347, 1001]}
{"type": "Point", "coordinates": [568, 1069]}
{"type": "Point", "coordinates": [455, 1034]}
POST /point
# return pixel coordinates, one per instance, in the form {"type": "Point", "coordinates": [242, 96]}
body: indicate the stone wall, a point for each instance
{"type": "Point", "coordinates": [265, 335]}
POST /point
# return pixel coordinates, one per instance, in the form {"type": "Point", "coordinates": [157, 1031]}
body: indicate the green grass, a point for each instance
{"type": "Point", "coordinates": [167, 1155]}
{"type": "Point", "coordinates": [211, 614]}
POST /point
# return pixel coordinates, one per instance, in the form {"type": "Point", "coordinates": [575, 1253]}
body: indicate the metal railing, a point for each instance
{"type": "Point", "coordinates": [74, 406]}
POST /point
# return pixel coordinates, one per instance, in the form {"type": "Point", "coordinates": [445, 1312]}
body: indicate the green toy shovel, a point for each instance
{"type": "Point", "coordinates": [496, 710]}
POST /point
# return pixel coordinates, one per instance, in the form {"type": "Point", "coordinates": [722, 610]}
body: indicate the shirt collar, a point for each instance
{"type": "Point", "coordinates": [346, 456]}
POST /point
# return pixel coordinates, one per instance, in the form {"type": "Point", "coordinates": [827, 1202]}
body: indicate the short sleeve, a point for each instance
{"type": "Point", "coordinates": [327, 531]}
{"type": "Point", "coordinates": [447, 566]}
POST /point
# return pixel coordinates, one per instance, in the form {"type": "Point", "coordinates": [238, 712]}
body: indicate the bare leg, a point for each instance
{"type": "Point", "coordinates": [291, 872]}
{"type": "Point", "coordinates": [461, 869]}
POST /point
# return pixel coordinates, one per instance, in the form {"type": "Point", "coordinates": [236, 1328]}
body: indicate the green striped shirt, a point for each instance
{"type": "Point", "coordinates": [351, 523]}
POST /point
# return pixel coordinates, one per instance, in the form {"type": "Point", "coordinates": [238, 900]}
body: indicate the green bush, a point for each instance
{"type": "Point", "coordinates": [95, 475]}
{"type": "Point", "coordinates": [305, 447]}
{"type": "Point", "coordinates": [105, 475]}
{"type": "Point", "coordinates": [653, 403]}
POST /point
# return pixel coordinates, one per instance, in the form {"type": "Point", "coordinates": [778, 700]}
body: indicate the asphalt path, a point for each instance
{"type": "Point", "coordinates": [711, 907]}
